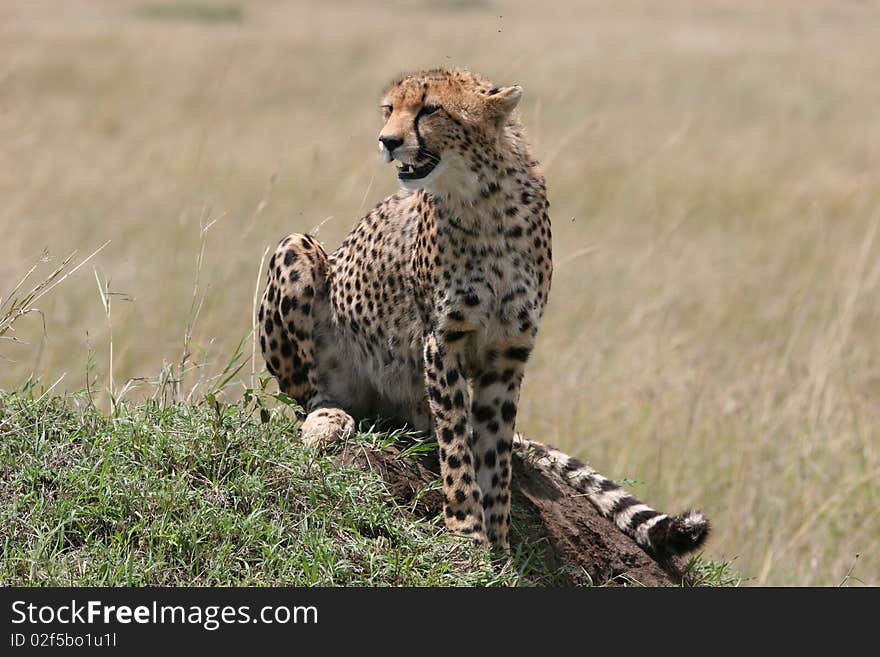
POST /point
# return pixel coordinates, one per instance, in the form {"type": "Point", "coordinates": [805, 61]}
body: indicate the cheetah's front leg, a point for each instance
{"type": "Point", "coordinates": [448, 399]}
{"type": "Point", "coordinates": [495, 398]}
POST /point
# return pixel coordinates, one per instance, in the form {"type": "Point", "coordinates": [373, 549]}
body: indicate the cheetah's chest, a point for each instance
{"type": "Point", "coordinates": [491, 294]}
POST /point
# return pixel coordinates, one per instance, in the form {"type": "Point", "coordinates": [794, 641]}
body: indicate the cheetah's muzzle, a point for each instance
{"type": "Point", "coordinates": [416, 171]}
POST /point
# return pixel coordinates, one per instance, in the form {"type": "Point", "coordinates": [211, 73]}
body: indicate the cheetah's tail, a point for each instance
{"type": "Point", "coordinates": [660, 534]}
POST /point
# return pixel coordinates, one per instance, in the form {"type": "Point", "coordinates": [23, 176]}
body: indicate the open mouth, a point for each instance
{"type": "Point", "coordinates": [418, 171]}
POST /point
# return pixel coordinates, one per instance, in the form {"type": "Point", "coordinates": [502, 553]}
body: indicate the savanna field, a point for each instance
{"type": "Point", "coordinates": [712, 333]}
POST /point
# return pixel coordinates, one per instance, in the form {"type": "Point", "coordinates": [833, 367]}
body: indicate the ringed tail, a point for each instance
{"type": "Point", "coordinates": [659, 533]}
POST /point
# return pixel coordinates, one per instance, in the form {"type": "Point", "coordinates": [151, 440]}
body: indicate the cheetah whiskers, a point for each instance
{"type": "Point", "coordinates": [427, 155]}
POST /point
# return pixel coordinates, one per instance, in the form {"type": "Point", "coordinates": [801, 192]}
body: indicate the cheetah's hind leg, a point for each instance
{"type": "Point", "coordinates": [294, 312]}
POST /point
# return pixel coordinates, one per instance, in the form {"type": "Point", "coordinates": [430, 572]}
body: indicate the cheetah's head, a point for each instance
{"type": "Point", "coordinates": [443, 125]}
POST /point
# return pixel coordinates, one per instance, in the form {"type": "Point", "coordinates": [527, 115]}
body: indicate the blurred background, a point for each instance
{"type": "Point", "coordinates": [712, 333]}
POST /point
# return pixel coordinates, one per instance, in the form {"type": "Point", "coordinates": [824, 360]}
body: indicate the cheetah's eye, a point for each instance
{"type": "Point", "coordinates": [386, 111]}
{"type": "Point", "coordinates": [427, 110]}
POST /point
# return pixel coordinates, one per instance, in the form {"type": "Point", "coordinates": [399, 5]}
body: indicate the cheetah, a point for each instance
{"type": "Point", "coordinates": [428, 310]}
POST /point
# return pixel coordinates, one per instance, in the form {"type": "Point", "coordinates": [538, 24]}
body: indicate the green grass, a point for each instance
{"type": "Point", "coordinates": [201, 495]}
{"type": "Point", "coordinates": [703, 572]}
{"type": "Point", "coordinates": [218, 494]}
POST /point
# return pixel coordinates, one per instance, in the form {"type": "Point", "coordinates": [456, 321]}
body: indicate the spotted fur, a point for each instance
{"type": "Point", "coordinates": [429, 309]}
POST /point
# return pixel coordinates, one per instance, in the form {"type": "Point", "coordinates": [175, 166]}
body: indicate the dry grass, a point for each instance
{"type": "Point", "coordinates": [714, 179]}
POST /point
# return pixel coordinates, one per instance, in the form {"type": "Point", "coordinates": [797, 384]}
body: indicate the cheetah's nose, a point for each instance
{"type": "Point", "coordinates": [390, 142]}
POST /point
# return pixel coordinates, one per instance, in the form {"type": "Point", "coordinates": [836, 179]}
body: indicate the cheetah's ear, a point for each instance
{"type": "Point", "coordinates": [503, 100]}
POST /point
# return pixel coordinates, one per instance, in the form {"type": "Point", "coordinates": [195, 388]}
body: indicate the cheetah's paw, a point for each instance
{"type": "Point", "coordinates": [325, 426]}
